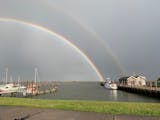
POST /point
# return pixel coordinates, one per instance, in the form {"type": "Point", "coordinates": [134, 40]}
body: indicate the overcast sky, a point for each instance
{"type": "Point", "coordinates": [118, 36]}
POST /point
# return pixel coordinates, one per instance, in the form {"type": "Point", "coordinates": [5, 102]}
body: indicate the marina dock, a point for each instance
{"type": "Point", "coordinates": [23, 94]}
{"type": "Point", "coordinates": [28, 89]}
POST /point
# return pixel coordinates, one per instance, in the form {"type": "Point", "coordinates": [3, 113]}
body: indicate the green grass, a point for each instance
{"type": "Point", "coordinates": [147, 109]}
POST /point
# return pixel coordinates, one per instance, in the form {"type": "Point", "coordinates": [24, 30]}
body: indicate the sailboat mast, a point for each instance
{"type": "Point", "coordinates": [35, 74]}
{"type": "Point", "coordinates": [19, 79]}
{"type": "Point", "coordinates": [6, 75]}
{"type": "Point", "coordinates": [11, 80]}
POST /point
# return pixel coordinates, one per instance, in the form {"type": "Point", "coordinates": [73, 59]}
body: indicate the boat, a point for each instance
{"type": "Point", "coordinates": [9, 88]}
{"type": "Point", "coordinates": [110, 85]}
{"type": "Point", "coordinates": [32, 88]}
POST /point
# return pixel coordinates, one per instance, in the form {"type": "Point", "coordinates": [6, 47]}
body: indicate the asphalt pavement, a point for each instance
{"type": "Point", "coordinates": [23, 113]}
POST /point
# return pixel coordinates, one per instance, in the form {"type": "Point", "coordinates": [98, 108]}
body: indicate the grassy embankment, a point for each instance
{"type": "Point", "coordinates": [147, 109]}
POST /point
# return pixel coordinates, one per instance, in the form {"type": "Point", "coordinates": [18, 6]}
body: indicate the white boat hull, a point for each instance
{"type": "Point", "coordinates": [111, 86]}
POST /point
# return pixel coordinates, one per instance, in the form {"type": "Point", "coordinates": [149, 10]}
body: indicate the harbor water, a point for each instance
{"type": "Point", "coordinates": [93, 91]}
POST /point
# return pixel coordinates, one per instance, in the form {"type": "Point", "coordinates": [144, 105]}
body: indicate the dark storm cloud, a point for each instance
{"type": "Point", "coordinates": [130, 28]}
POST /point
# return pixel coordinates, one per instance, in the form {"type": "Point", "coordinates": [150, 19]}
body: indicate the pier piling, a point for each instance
{"type": "Point", "coordinates": [143, 90]}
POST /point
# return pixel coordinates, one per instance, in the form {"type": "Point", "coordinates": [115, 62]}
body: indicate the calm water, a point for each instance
{"type": "Point", "coordinates": [93, 91]}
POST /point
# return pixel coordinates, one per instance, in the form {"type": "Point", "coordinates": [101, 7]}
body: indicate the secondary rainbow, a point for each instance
{"type": "Point", "coordinates": [90, 30]}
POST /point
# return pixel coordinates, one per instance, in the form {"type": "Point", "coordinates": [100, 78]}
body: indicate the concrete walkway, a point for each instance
{"type": "Point", "coordinates": [21, 113]}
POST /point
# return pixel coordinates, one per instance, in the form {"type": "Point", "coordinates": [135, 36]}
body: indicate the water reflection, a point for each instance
{"type": "Point", "coordinates": [93, 91]}
{"type": "Point", "coordinates": [114, 94]}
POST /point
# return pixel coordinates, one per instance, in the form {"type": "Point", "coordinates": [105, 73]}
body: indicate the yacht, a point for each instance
{"type": "Point", "coordinates": [110, 85]}
{"type": "Point", "coordinates": [9, 88]}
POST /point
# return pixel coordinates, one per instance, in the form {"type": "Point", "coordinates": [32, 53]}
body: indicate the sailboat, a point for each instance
{"type": "Point", "coordinates": [32, 88]}
{"type": "Point", "coordinates": [8, 87]}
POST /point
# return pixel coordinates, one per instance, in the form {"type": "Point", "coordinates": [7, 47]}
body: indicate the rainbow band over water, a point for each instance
{"type": "Point", "coordinates": [60, 37]}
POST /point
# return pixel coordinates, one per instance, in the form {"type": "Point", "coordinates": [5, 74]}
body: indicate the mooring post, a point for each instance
{"type": "Point", "coordinates": [156, 85]}
{"type": "Point", "coordinates": [150, 85]}
{"type": "Point", "coordinates": [32, 88]}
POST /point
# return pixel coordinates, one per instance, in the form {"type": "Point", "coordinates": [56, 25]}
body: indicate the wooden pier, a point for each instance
{"type": "Point", "coordinates": [54, 91]}
{"type": "Point", "coordinates": [15, 94]}
{"type": "Point", "coordinates": [142, 90]}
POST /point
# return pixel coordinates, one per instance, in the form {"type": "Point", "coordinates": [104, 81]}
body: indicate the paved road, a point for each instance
{"type": "Point", "coordinates": [21, 113]}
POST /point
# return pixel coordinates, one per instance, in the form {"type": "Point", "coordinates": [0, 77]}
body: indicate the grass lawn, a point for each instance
{"type": "Point", "coordinates": [131, 108]}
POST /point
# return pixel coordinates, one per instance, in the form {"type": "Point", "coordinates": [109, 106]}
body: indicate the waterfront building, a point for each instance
{"type": "Point", "coordinates": [133, 80]}
{"type": "Point", "coordinates": [158, 82]}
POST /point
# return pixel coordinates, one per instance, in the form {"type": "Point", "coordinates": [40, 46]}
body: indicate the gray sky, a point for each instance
{"type": "Point", "coordinates": [118, 36]}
